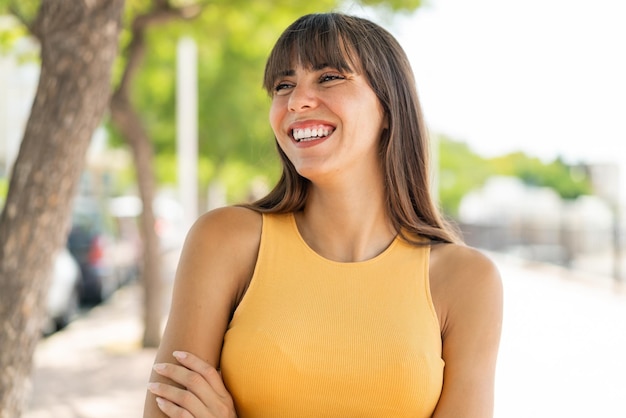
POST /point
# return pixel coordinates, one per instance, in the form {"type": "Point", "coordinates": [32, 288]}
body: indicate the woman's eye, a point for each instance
{"type": "Point", "coordinates": [281, 87]}
{"type": "Point", "coordinates": [331, 77]}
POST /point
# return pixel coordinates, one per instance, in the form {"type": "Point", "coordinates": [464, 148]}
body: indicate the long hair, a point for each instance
{"type": "Point", "coordinates": [355, 44]}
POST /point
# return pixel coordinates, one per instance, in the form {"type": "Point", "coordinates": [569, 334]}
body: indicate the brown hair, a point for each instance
{"type": "Point", "coordinates": [356, 44]}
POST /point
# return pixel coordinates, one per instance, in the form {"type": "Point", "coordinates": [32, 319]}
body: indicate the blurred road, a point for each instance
{"type": "Point", "coordinates": [563, 352]}
{"type": "Point", "coordinates": [563, 349]}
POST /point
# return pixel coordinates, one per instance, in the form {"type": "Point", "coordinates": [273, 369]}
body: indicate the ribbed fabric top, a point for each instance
{"type": "Point", "coordinates": [318, 338]}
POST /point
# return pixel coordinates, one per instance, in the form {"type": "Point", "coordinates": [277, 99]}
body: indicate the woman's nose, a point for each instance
{"type": "Point", "coordinates": [302, 97]}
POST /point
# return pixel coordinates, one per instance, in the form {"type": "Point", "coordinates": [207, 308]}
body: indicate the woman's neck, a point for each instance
{"type": "Point", "coordinates": [346, 224]}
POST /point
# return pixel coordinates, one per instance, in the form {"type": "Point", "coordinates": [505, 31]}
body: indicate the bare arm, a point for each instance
{"type": "Point", "coordinates": [214, 270]}
{"type": "Point", "coordinates": [467, 292]}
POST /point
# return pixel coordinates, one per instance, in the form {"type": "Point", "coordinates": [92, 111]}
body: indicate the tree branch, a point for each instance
{"type": "Point", "coordinates": [161, 4]}
{"type": "Point", "coordinates": [32, 27]}
{"type": "Point", "coordinates": [161, 13]}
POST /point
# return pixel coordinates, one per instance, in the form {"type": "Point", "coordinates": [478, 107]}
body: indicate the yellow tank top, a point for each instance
{"type": "Point", "coordinates": [318, 338]}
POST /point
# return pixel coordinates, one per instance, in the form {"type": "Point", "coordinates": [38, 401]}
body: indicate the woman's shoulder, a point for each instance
{"type": "Point", "coordinates": [230, 224]}
{"type": "Point", "coordinates": [463, 278]}
{"type": "Point", "coordinates": [227, 235]}
{"type": "Point", "coordinates": [460, 263]}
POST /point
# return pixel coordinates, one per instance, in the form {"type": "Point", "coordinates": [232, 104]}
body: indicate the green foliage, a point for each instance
{"type": "Point", "coordinates": [11, 31]}
{"type": "Point", "coordinates": [569, 181]}
{"type": "Point", "coordinates": [25, 10]}
{"type": "Point", "coordinates": [461, 170]}
{"type": "Point", "coordinates": [395, 5]}
{"type": "Point", "coordinates": [4, 189]}
{"type": "Point", "coordinates": [15, 16]}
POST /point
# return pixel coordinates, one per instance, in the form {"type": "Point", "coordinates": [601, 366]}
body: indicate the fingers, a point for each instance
{"type": "Point", "coordinates": [210, 374]}
{"type": "Point", "coordinates": [175, 402]}
{"type": "Point", "coordinates": [203, 392]}
{"type": "Point", "coordinates": [191, 381]}
{"type": "Point", "coordinates": [171, 409]}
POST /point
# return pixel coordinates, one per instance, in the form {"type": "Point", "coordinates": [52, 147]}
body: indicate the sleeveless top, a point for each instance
{"type": "Point", "coordinates": [318, 338]}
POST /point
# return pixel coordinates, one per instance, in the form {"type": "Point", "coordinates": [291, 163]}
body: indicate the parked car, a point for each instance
{"type": "Point", "coordinates": [169, 223]}
{"type": "Point", "coordinates": [63, 299]}
{"type": "Point", "coordinates": [106, 259]}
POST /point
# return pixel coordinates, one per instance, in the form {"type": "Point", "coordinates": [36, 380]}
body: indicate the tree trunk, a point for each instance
{"type": "Point", "coordinates": [129, 124]}
{"type": "Point", "coordinates": [79, 41]}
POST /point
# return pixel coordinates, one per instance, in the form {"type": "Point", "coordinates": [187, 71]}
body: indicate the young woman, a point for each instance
{"type": "Point", "coordinates": [342, 293]}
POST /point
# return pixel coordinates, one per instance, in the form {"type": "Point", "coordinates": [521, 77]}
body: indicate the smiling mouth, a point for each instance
{"type": "Point", "coordinates": [311, 134]}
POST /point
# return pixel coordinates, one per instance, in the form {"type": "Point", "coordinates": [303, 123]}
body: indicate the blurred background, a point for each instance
{"type": "Point", "coordinates": [525, 101]}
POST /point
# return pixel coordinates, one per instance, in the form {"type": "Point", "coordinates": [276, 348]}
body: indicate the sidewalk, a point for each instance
{"type": "Point", "coordinates": [563, 349]}
{"type": "Point", "coordinates": [95, 368]}
{"type": "Point", "coordinates": [563, 352]}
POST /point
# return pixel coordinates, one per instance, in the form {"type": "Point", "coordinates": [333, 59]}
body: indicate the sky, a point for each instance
{"type": "Point", "coordinates": [547, 77]}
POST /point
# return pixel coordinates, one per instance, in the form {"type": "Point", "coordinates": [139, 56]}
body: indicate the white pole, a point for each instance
{"type": "Point", "coordinates": [187, 128]}
{"type": "Point", "coordinates": [5, 74]}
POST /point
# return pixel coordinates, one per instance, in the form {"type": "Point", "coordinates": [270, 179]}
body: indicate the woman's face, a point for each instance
{"type": "Point", "coordinates": [327, 122]}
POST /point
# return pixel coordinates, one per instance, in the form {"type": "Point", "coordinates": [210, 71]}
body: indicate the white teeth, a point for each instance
{"type": "Point", "coordinates": [309, 134]}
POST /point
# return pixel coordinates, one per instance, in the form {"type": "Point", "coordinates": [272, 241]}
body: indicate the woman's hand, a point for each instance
{"type": "Point", "coordinates": [204, 393]}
